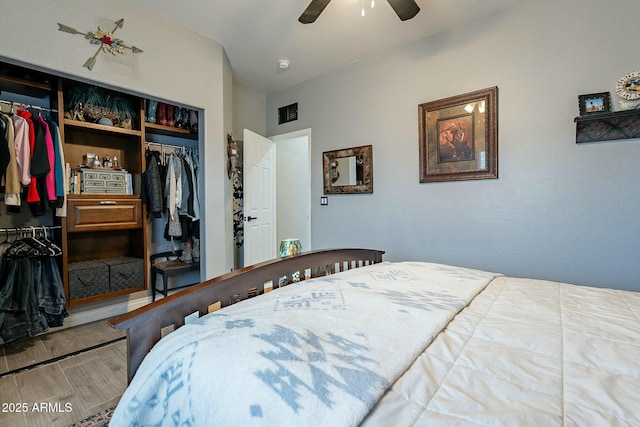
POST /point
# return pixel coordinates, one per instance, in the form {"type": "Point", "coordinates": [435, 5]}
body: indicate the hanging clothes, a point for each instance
{"type": "Point", "coordinates": [178, 177]}
{"type": "Point", "coordinates": [57, 162]}
{"type": "Point", "coordinates": [5, 127]}
{"type": "Point", "coordinates": [38, 164]}
{"type": "Point", "coordinates": [49, 290]}
{"type": "Point", "coordinates": [22, 133]}
{"type": "Point", "coordinates": [19, 315]}
{"type": "Point", "coordinates": [173, 189]}
{"type": "Point", "coordinates": [31, 291]}
{"type": "Point", "coordinates": [61, 184]}
{"type": "Point", "coordinates": [31, 155]}
{"type": "Point", "coordinates": [30, 139]}
{"type": "Point", "coordinates": [9, 167]}
{"type": "Point", "coordinates": [193, 168]}
{"type": "Point", "coordinates": [50, 181]}
{"type": "Point", "coordinates": [152, 184]}
{"type": "Point", "coordinates": [186, 203]}
{"type": "Point", "coordinates": [37, 197]}
{"type": "Point", "coordinates": [13, 187]}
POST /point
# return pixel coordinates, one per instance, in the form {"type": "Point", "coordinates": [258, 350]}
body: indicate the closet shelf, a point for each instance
{"type": "Point", "coordinates": [27, 87]}
{"type": "Point", "coordinates": [169, 131]}
{"type": "Point", "coordinates": [101, 128]}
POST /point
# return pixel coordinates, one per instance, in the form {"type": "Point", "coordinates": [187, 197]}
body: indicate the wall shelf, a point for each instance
{"type": "Point", "coordinates": [608, 126]}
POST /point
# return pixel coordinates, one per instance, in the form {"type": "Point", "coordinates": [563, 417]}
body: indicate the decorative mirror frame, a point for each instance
{"type": "Point", "coordinates": [366, 151]}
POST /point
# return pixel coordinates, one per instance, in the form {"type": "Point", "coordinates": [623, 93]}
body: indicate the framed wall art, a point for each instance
{"type": "Point", "coordinates": [458, 137]}
{"type": "Point", "coordinates": [594, 103]}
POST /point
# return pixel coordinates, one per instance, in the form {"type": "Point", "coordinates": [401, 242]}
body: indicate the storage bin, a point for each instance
{"type": "Point", "coordinates": [88, 278]}
{"type": "Point", "coordinates": [96, 181]}
{"type": "Point", "coordinates": [125, 273]}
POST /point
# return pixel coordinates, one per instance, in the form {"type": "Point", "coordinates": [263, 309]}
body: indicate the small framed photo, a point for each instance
{"type": "Point", "coordinates": [595, 103]}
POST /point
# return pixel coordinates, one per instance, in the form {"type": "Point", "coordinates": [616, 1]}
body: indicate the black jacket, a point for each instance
{"type": "Point", "coordinates": [152, 184]}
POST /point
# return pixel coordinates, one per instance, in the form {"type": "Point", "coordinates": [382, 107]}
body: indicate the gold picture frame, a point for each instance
{"type": "Point", "coordinates": [458, 137]}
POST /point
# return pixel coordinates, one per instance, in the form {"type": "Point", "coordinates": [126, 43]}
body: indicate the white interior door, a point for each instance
{"type": "Point", "coordinates": [259, 174]}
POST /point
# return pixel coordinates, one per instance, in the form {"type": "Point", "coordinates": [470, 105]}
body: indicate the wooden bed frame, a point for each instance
{"type": "Point", "coordinates": [146, 325]}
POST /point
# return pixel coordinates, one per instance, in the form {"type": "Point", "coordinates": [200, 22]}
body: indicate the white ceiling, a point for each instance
{"type": "Point", "coordinates": [256, 34]}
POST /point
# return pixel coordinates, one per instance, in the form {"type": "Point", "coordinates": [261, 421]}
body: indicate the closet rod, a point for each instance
{"type": "Point", "coordinates": [27, 106]}
{"type": "Point", "coordinates": [30, 228]}
{"type": "Point", "coordinates": [174, 148]}
{"type": "Point", "coordinates": [160, 144]}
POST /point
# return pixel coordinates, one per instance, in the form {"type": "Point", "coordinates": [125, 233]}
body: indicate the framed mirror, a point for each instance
{"type": "Point", "coordinates": [348, 171]}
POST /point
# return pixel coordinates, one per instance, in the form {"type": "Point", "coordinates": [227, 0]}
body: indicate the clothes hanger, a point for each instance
{"type": "Point", "coordinates": [39, 247]}
{"type": "Point", "coordinates": [53, 249]}
{"type": "Point", "coordinates": [6, 237]}
{"type": "Point", "coordinates": [6, 241]}
{"type": "Point", "coordinates": [30, 246]}
{"type": "Point", "coordinates": [19, 248]}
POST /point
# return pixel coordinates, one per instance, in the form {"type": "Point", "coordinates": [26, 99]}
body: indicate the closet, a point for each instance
{"type": "Point", "coordinates": [103, 224]}
{"type": "Point", "coordinates": [174, 153]}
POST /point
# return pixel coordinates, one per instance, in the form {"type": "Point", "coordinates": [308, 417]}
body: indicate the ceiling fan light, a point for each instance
{"type": "Point", "coordinates": [405, 9]}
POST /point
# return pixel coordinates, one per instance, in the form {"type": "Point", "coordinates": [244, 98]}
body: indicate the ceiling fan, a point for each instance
{"type": "Point", "coordinates": [405, 9]}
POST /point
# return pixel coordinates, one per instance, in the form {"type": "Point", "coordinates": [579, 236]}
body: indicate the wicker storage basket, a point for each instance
{"type": "Point", "coordinates": [88, 278]}
{"type": "Point", "coordinates": [125, 273]}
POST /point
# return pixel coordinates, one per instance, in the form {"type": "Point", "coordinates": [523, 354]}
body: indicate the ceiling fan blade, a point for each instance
{"type": "Point", "coordinates": [312, 11]}
{"type": "Point", "coordinates": [405, 9]}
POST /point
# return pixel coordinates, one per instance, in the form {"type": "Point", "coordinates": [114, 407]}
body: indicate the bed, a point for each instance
{"type": "Point", "coordinates": [373, 343]}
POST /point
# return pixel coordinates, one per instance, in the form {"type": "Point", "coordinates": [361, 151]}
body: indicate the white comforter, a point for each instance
{"type": "Point", "coordinates": [320, 353]}
{"type": "Point", "coordinates": [526, 353]}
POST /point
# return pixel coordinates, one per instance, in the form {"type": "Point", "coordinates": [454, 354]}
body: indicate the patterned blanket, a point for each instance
{"type": "Point", "coordinates": [318, 353]}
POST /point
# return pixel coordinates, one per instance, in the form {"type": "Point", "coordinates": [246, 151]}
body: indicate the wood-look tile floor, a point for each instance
{"type": "Point", "coordinates": [41, 386]}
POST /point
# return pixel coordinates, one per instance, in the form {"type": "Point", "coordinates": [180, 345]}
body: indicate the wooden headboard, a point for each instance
{"type": "Point", "coordinates": [146, 325]}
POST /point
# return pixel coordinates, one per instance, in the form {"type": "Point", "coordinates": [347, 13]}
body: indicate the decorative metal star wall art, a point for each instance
{"type": "Point", "coordinates": [106, 41]}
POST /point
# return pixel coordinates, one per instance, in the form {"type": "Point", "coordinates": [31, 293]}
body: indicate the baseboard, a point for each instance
{"type": "Point", "coordinates": [83, 315]}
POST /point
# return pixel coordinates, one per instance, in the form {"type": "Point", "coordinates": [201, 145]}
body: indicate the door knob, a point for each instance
{"type": "Point", "coordinates": [250, 218]}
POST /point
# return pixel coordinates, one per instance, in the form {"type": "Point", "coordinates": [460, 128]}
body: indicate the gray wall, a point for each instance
{"type": "Point", "coordinates": [559, 210]}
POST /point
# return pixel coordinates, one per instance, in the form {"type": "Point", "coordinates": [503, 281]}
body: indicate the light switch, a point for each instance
{"type": "Point", "coordinates": [324, 201]}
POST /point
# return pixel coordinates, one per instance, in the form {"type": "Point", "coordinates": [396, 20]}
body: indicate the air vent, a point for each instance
{"type": "Point", "coordinates": [288, 113]}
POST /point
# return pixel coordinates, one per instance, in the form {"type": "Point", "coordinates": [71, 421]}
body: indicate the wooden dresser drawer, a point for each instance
{"type": "Point", "coordinates": [104, 214]}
